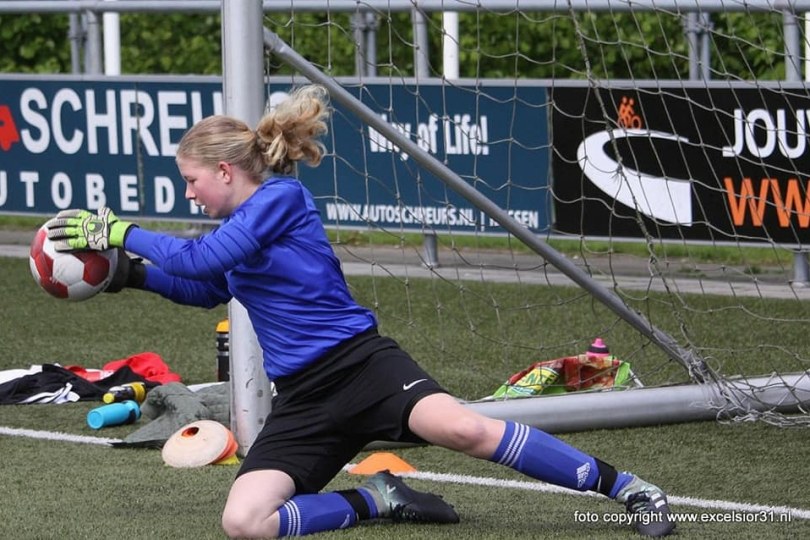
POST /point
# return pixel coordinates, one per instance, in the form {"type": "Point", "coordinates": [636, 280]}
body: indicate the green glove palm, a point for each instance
{"type": "Point", "coordinates": [80, 229]}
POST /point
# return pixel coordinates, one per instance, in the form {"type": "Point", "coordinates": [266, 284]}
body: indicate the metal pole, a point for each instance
{"type": "Point", "coordinates": [793, 66]}
{"type": "Point", "coordinates": [450, 45]}
{"type": "Point", "coordinates": [693, 43]}
{"type": "Point", "coordinates": [347, 6]}
{"type": "Point", "coordinates": [421, 60]}
{"type": "Point", "coordinates": [112, 42]}
{"type": "Point", "coordinates": [243, 96]}
{"type": "Point", "coordinates": [698, 27]}
{"type": "Point", "coordinates": [92, 59]}
{"type": "Point", "coordinates": [358, 24]}
{"type": "Point", "coordinates": [801, 270]}
{"type": "Point", "coordinates": [653, 406]}
{"type": "Point", "coordinates": [430, 245]}
{"type": "Point", "coordinates": [790, 22]}
{"type": "Point", "coordinates": [76, 37]}
{"type": "Point", "coordinates": [705, 46]}
{"type": "Point", "coordinates": [450, 71]}
{"type": "Point", "coordinates": [806, 40]}
{"type": "Point", "coordinates": [371, 44]}
{"type": "Point", "coordinates": [421, 65]}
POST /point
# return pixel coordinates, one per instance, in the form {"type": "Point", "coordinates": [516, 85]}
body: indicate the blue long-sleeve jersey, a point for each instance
{"type": "Point", "coordinates": [271, 254]}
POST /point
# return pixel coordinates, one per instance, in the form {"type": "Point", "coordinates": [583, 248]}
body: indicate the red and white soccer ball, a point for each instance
{"type": "Point", "coordinates": [76, 275]}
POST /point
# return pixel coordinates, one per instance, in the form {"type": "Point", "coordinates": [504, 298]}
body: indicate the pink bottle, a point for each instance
{"type": "Point", "coordinates": [598, 348]}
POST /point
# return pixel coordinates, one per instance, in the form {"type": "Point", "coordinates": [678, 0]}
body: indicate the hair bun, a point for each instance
{"type": "Point", "coordinates": [261, 143]}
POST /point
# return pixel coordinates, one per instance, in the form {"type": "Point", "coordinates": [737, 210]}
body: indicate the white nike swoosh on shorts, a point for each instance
{"type": "Point", "coordinates": [408, 386]}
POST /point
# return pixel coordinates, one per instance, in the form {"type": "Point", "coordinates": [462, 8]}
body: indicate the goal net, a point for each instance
{"type": "Point", "coordinates": [508, 181]}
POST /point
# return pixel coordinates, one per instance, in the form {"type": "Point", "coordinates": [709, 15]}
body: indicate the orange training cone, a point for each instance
{"type": "Point", "coordinates": [380, 461]}
{"type": "Point", "coordinates": [199, 443]}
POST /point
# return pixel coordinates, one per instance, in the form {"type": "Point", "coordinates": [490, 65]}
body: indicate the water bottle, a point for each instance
{"type": "Point", "coordinates": [114, 414]}
{"type": "Point", "coordinates": [130, 391]}
{"type": "Point", "coordinates": [598, 349]}
{"type": "Point", "coordinates": [223, 351]}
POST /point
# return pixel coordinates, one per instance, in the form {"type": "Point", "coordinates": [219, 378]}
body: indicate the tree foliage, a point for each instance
{"type": "Point", "coordinates": [171, 43]}
{"type": "Point", "coordinates": [491, 45]}
{"type": "Point", "coordinates": [150, 44]}
{"type": "Point", "coordinates": [34, 44]}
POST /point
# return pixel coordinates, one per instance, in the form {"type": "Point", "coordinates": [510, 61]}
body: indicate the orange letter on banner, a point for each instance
{"type": "Point", "coordinates": [738, 203]}
{"type": "Point", "coordinates": [793, 199]}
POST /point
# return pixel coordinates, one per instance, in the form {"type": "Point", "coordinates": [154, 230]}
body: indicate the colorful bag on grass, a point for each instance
{"type": "Point", "coordinates": [568, 374]}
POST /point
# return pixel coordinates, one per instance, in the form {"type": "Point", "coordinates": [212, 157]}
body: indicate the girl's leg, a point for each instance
{"type": "Point", "coordinates": [251, 510]}
{"type": "Point", "coordinates": [262, 504]}
{"type": "Point", "coordinates": [440, 419]}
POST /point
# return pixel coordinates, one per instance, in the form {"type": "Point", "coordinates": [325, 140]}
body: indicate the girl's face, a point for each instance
{"type": "Point", "coordinates": [209, 188]}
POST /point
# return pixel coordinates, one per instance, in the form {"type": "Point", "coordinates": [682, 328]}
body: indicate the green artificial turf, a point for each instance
{"type": "Point", "coordinates": [470, 336]}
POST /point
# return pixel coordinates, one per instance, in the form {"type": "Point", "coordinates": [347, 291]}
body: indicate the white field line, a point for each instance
{"type": "Point", "coordinates": [463, 479]}
{"type": "Point", "coordinates": [55, 436]}
{"type": "Point", "coordinates": [728, 506]}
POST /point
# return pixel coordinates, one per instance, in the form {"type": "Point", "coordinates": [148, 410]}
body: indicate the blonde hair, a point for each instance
{"type": "Point", "coordinates": [285, 135]}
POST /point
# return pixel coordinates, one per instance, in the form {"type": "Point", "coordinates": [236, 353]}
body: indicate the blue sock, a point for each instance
{"type": "Point", "coordinates": [544, 457]}
{"type": "Point", "coordinates": [622, 480]}
{"type": "Point", "coordinates": [307, 514]}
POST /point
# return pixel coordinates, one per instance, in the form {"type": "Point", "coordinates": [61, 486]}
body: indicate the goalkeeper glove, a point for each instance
{"type": "Point", "coordinates": [129, 272]}
{"type": "Point", "coordinates": [80, 229]}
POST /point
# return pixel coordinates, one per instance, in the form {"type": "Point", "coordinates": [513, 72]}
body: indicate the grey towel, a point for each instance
{"type": "Point", "coordinates": [172, 406]}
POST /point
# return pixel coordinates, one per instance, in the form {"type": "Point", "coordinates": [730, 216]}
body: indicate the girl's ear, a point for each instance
{"type": "Point", "coordinates": [224, 170]}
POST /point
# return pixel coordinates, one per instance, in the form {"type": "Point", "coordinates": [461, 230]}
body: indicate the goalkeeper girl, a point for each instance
{"type": "Point", "coordinates": [340, 383]}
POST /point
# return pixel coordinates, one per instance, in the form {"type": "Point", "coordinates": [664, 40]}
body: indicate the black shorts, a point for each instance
{"type": "Point", "coordinates": [361, 391]}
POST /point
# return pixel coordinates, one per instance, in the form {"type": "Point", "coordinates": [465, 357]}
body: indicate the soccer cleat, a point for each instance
{"type": "Point", "coordinates": [406, 504]}
{"type": "Point", "coordinates": [648, 505]}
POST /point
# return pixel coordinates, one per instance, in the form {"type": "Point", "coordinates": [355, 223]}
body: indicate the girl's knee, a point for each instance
{"type": "Point", "coordinates": [237, 523]}
{"type": "Point", "coordinates": [245, 521]}
{"type": "Point", "coordinates": [253, 502]}
{"type": "Point", "coordinates": [475, 435]}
